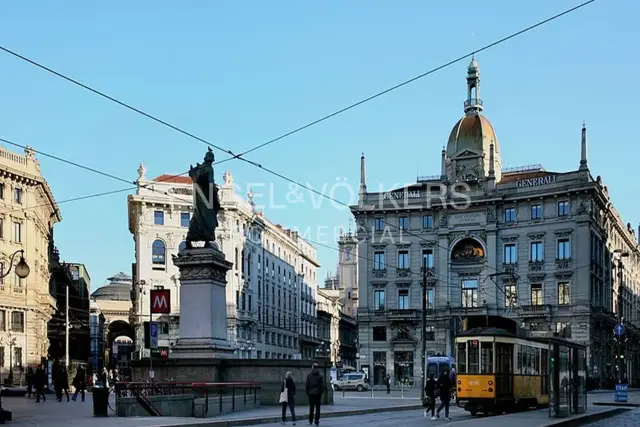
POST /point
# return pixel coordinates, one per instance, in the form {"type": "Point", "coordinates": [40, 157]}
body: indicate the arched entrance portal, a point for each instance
{"type": "Point", "coordinates": [119, 347]}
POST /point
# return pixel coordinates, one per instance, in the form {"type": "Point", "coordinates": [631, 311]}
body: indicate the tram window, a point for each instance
{"type": "Point", "coordinates": [462, 357]}
{"type": "Point", "coordinates": [486, 349]}
{"type": "Point", "coordinates": [474, 359]}
{"type": "Point", "coordinates": [504, 358]}
{"type": "Point", "coordinates": [520, 359]}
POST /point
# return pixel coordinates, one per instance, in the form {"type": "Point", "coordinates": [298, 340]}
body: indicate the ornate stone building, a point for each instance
{"type": "Point", "coordinates": [528, 243]}
{"type": "Point", "coordinates": [271, 289]}
{"type": "Point", "coordinates": [28, 213]}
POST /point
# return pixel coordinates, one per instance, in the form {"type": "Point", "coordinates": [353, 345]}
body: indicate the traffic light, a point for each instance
{"type": "Point", "coordinates": [147, 335]}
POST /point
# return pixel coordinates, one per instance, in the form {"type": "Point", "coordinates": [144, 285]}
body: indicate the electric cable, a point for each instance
{"type": "Point", "coordinates": [308, 125]}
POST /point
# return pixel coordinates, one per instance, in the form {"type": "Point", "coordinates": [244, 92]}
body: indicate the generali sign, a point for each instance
{"type": "Point", "coordinates": [160, 301]}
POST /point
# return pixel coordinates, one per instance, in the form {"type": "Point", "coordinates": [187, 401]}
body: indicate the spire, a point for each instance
{"type": "Point", "coordinates": [363, 181]}
{"type": "Point", "coordinates": [443, 167]}
{"type": "Point", "coordinates": [583, 151]}
{"type": "Point", "coordinates": [473, 104]}
{"type": "Point", "coordinates": [492, 162]}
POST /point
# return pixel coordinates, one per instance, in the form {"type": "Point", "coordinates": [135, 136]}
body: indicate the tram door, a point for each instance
{"type": "Point", "coordinates": [504, 370]}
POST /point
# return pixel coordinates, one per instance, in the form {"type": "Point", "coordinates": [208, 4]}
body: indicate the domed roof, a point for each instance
{"type": "Point", "coordinates": [118, 289]}
{"type": "Point", "coordinates": [472, 132]}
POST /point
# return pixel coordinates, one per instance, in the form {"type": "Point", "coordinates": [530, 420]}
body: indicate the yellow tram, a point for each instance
{"type": "Point", "coordinates": [500, 368]}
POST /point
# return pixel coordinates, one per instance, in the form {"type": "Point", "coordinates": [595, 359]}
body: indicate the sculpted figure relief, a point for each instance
{"type": "Point", "coordinates": [206, 203]}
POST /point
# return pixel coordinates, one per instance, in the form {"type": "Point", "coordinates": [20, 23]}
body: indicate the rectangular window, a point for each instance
{"type": "Point", "coordinates": [17, 195]}
{"type": "Point", "coordinates": [1, 228]}
{"type": "Point", "coordinates": [403, 260]}
{"type": "Point", "coordinates": [2, 191]}
{"type": "Point", "coordinates": [379, 224]}
{"type": "Point", "coordinates": [17, 356]}
{"type": "Point", "coordinates": [469, 293]}
{"type": "Point", "coordinates": [430, 294]}
{"type": "Point", "coordinates": [379, 333]}
{"type": "Point", "coordinates": [536, 253]}
{"type": "Point", "coordinates": [510, 254]}
{"type": "Point", "coordinates": [3, 319]}
{"type": "Point", "coordinates": [474, 357]}
{"type": "Point", "coordinates": [486, 356]}
{"type": "Point", "coordinates": [509, 214]}
{"type": "Point", "coordinates": [378, 261]}
{"type": "Point", "coordinates": [564, 249]}
{"type": "Point", "coordinates": [1, 357]}
{"type": "Point", "coordinates": [536, 211]}
{"type": "Point", "coordinates": [250, 302]}
{"type": "Point", "coordinates": [536, 294]}
{"type": "Point", "coordinates": [17, 232]}
{"type": "Point", "coordinates": [17, 321]}
{"type": "Point", "coordinates": [427, 258]}
{"type": "Point", "coordinates": [378, 300]}
{"type": "Point", "coordinates": [510, 295]}
{"type": "Point", "coordinates": [403, 299]}
{"type": "Point", "coordinates": [563, 293]}
{"type": "Point", "coordinates": [462, 357]}
{"type": "Point", "coordinates": [563, 208]}
{"type": "Point", "coordinates": [403, 223]}
{"type": "Point", "coordinates": [427, 221]}
{"type": "Point", "coordinates": [185, 219]}
{"type": "Point", "coordinates": [158, 218]}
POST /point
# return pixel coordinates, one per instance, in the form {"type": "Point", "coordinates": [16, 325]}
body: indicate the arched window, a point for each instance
{"type": "Point", "coordinates": [158, 252]}
{"type": "Point", "coordinates": [182, 246]}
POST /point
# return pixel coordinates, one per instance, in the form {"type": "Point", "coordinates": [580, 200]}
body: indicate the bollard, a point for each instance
{"type": "Point", "coordinates": [401, 390]}
{"type": "Point", "coordinates": [372, 392]}
{"type": "Point", "coordinates": [343, 393]}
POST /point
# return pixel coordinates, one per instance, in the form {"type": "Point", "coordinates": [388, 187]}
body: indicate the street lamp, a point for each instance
{"type": "Point", "coordinates": [22, 268]}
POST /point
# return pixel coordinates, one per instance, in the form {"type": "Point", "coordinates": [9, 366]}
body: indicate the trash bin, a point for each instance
{"type": "Point", "coordinates": [100, 401]}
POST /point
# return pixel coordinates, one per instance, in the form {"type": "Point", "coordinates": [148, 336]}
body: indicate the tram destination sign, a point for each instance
{"type": "Point", "coordinates": [400, 195]}
{"type": "Point", "coordinates": [536, 182]}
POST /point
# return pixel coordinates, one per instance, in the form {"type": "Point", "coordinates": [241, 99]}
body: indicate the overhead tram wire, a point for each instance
{"type": "Point", "coordinates": [406, 82]}
{"type": "Point", "coordinates": [308, 125]}
{"type": "Point", "coordinates": [90, 169]}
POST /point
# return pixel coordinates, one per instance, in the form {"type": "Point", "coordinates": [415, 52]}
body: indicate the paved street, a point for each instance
{"type": "Point", "coordinates": [627, 419]}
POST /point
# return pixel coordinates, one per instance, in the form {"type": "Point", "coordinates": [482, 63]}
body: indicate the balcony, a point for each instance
{"type": "Point", "coordinates": [379, 274]}
{"type": "Point", "coordinates": [403, 273]}
{"type": "Point", "coordinates": [536, 265]}
{"type": "Point", "coordinates": [509, 268]}
{"type": "Point", "coordinates": [403, 315]}
{"type": "Point", "coordinates": [563, 264]}
{"type": "Point", "coordinates": [538, 310]}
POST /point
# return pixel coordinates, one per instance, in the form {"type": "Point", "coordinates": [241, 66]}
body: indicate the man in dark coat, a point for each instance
{"type": "Point", "coordinates": [444, 382]}
{"type": "Point", "coordinates": [315, 388]}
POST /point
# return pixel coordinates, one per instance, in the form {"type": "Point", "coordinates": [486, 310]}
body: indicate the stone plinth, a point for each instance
{"type": "Point", "coordinates": [203, 304]}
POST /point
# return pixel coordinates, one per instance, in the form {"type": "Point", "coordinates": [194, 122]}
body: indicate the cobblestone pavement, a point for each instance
{"type": "Point", "coordinates": [626, 419]}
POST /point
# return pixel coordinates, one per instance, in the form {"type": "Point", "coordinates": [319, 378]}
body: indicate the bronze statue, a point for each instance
{"type": "Point", "coordinates": [206, 204]}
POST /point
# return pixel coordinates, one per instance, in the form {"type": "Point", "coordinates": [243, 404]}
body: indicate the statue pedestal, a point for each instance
{"type": "Point", "coordinates": [203, 304]}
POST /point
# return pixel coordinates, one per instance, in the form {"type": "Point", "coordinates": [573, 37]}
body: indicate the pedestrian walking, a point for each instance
{"type": "Point", "coordinates": [288, 398]}
{"type": "Point", "coordinates": [30, 381]}
{"type": "Point", "coordinates": [430, 396]}
{"type": "Point", "coordinates": [79, 384]}
{"type": "Point", "coordinates": [444, 382]}
{"type": "Point", "coordinates": [387, 381]}
{"type": "Point", "coordinates": [39, 381]}
{"type": "Point", "coordinates": [315, 388]}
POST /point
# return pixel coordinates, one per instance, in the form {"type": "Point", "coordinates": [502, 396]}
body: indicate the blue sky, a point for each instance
{"type": "Point", "coordinates": [240, 73]}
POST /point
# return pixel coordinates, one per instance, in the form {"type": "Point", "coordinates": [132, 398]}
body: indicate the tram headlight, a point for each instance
{"type": "Point", "coordinates": [490, 389]}
{"type": "Point", "coordinates": [459, 382]}
{"type": "Point", "coordinates": [490, 382]}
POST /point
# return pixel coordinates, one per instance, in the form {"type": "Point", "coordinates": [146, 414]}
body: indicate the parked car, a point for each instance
{"type": "Point", "coordinates": [353, 381]}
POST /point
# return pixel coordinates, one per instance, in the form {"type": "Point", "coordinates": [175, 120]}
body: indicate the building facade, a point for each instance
{"type": "Point", "coordinates": [271, 288]}
{"type": "Point", "coordinates": [536, 245]}
{"type": "Point", "coordinates": [28, 213]}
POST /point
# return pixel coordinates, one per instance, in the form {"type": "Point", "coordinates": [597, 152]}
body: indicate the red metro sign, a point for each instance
{"type": "Point", "coordinates": [160, 301]}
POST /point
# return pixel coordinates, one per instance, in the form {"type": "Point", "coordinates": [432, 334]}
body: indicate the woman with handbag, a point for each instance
{"type": "Point", "coordinates": [288, 398]}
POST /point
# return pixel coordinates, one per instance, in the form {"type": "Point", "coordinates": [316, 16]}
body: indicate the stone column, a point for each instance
{"type": "Point", "coordinates": [203, 304]}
